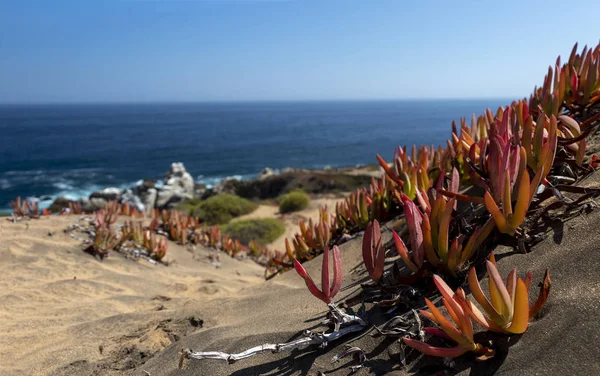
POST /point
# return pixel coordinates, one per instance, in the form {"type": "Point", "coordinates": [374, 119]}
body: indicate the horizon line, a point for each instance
{"type": "Point", "coordinates": [222, 101]}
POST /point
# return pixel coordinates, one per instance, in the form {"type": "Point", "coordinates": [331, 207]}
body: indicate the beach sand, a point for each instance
{"type": "Point", "coordinates": [63, 312]}
{"type": "Point", "coordinates": [59, 305]}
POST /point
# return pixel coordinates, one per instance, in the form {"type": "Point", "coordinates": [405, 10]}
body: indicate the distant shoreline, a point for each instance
{"type": "Point", "coordinates": [259, 101]}
{"type": "Point", "coordinates": [361, 169]}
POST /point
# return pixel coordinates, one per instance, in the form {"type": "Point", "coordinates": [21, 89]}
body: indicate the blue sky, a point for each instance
{"type": "Point", "coordinates": [206, 50]}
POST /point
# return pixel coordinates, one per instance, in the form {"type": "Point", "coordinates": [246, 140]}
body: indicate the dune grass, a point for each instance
{"type": "Point", "coordinates": [294, 201]}
{"type": "Point", "coordinates": [261, 230]}
{"type": "Point", "coordinates": [218, 209]}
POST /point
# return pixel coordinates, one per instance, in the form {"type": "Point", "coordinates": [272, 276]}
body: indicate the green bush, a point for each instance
{"type": "Point", "coordinates": [189, 206]}
{"type": "Point", "coordinates": [261, 230]}
{"type": "Point", "coordinates": [294, 201]}
{"type": "Point", "coordinates": [219, 209]}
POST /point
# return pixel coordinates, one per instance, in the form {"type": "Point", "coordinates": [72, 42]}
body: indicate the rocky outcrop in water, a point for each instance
{"type": "Point", "coordinates": [178, 186]}
{"type": "Point", "coordinates": [265, 173]}
{"type": "Point", "coordinates": [146, 193]}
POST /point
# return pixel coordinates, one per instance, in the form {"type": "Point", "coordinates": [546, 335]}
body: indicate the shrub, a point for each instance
{"type": "Point", "coordinates": [294, 201]}
{"type": "Point", "coordinates": [189, 206]}
{"type": "Point", "coordinates": [219, 209]}
{"type": "Point", "coordinates": [261, 230]}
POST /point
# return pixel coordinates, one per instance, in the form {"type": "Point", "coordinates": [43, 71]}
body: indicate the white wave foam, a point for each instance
{"type": "Point", "coordinates": [211, 181]}
{"type": "Point", "coordinates": [63, 186]}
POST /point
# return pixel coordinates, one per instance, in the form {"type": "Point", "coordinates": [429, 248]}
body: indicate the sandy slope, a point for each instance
{"type": "Point", "coordinates": [58, 305]}
{"type": "Point", "coordinates": [125, 317]}
{"type": "Point", "coordinates": [562, 342]}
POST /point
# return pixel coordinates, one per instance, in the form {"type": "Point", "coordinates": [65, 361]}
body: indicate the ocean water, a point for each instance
{"type": "Point", "coordinates": [72, 150]}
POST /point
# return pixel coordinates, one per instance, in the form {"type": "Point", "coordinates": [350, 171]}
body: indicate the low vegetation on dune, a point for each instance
{"type": "Point", "coordinates": [311, 182]}
{"type": "Point", "coordinates": [261, 230]}
{"type": "Point", "coordinates": [524, 158]}
{"type": "Point", "coordinates": [293, 202]}
{"type": "Point", "coordinates": [218, 209]}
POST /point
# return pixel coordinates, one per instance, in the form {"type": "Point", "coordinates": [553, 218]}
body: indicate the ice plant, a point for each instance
{"type": "Point", "coordinates": [135, 231]}
{"type": "Point", "coordinates": [460, 332]}
{"type": "Point", "coordinates": [574, 85]}
{"type": "Point", "coordinates": [540, 143]}
{"type": "Point", "coordinates": [381, 198]}
{"type": "Point", "coordinates": [373, 252]}
{"type": "Point", "coordinates": [159, 252]}
{"type": "Point", "coordinates": [19, 208]}
{"type": "Point", "coordinates": [315, 236]}
{"type": "Point", "coordinates": [442, 252]}
{"type": "Point", "coordinates": [412, 173]}
{"type": "Point", "coordinates": [157, 247]}
{"type": "Point", "coordinates": [328, 290]}
{"type": "Point", "coordinates": [299, 251]}
{"type": "Point", "coordinates": [506, 219]}
{"type": "Point", "coordinates": [33, 209]}
{"type": "Point", "coordinates": [507, 310]}
{"type": "Point", "coordinates": [353, 213]}
{"type": "Point", "coordinates": [106, 216]}
{"type": "Point", "coordinates": [403, 252]}
{"type": "Point", "coordinates": [104, 241]}
{"type": "Point", "coordinates": [414, 220]}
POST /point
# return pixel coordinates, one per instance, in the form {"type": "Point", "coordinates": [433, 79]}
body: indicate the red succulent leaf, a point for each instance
{"type": "Point", "coordinates": [542, 297]}
{"type": "Point", "coordinates": [414, 218]}
{"type": "Point", "coordinates": [309, 283]}
{"type": "Point", "coordinates": [337, 272]}
{"type": "Point", "coordinates": [372, 251]}
{"type": "Point", "coordinates": [435, 351]}
{"type": "Point", "coordinates": [403, 252]}
{"type": "Point", "coordinates": [327, 292]}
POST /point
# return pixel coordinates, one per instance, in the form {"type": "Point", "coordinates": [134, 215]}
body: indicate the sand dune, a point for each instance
{"type": "Point", "coordinates": [62, 312]}
{"type": "Point", "coordinates": [58, 304]}
{"type": "Point", "coordinates": [563, 341]}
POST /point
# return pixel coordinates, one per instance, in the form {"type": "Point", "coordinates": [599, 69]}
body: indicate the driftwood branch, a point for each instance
{"type": "Point", "coordinates": [338, 317]}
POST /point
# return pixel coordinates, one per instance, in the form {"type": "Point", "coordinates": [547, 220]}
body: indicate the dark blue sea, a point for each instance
{"type": "Point", "coordinates": [72, 150]}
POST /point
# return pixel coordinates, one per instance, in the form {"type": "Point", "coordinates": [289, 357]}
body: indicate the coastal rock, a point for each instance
{"type": "Point", "coordinates": [227, 185]}
{"type": "Point", "coordinates": [177, 176]}
{"type": "Point", "coordinates": [199, 190]}
{"type": "Point", "coordinates": [312, 182]}
{"type": "Point", "coordinates": [169, 197]}
{"type": "Point", "coordinates": [148, 198]}
{"type": "Point", "coordinates": [86, 205]}
{"type": "Point", "coordinates": [289, 170]}
{"type": "Point", "coordinates": [147, 193]}
{"type": "Point", "coordinates": [265, 173]}
{"type": "Point", "coordinates": [133, 200]}
{"type": "Point", "coordinates": [107, 194]}
{"type": "Point", "coordinates": [178, 186]}
{"type": "Point", "coordinates": [92, 204]}
{"type": "Point", "coordinates": [144, 186]}
{"type": "Point", "coordinates": [59, 204]}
